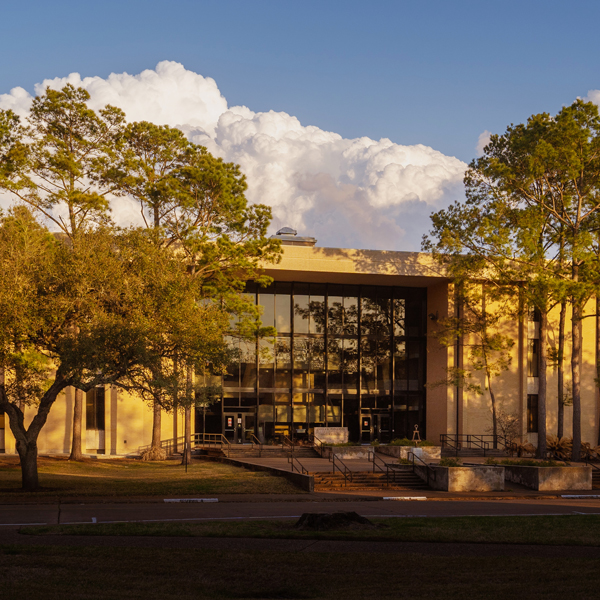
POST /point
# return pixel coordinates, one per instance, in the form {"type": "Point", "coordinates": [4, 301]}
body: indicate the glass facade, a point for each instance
{"type": "Point", "coordinates": [344, 355]}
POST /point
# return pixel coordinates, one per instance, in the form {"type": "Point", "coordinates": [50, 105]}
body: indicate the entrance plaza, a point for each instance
{"type": "Point", "coordinates": [355, 348]}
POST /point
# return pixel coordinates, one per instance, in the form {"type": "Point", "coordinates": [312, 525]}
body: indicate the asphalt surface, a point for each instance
{"type": "Point", "coordinates": [158, 510]}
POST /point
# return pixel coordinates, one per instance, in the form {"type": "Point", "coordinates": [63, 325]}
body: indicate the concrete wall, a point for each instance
{"type": "Point", "coordinates": [332, 435]}
{"type": "Point", "coordinates": [426, 452]}
{"type": "Point", "coordinates": [128, 425]}
{"type": "Point", "coordinates": [352, 452]}
{"type": "Point", "coordinates": [464, 479]}
{"type": "Point", "coordinates": [550, 478]}
{"type": "Point", "coordinates": [440, 398]}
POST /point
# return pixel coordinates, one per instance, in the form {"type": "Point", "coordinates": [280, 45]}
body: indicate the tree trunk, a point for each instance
{"type": "Point", "coordinates": [29, 470]}
{"type": "Point", "coordinates": [598, 361]}
{"type": "Point", "coordinates": [542, 371]}
{"type": "Point", "coordinates": [561, 370]}
{"type": "Point", "coordinates": [76, 453]}
{"type": "Point", "coordinates": [26, 438]}
{"type": "Point", "coordinates": [494, 416]}
{"type": "Point", "coordinates": [187, 448]}
{"type": "Point", "coordinates": [187, 457]}
{"type": "Point", "coordinates": [576, 378]}
{"type": "Point", "coordinates": [156, 424]}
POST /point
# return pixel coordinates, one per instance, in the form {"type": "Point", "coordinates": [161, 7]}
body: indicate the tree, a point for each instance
{"type": "Point", "coordinates": [145, 169]}
{"type": "Point", "coordinates": [196, 204]}
{"type": "Point", "coordinates": [532, 201]}
{"type": "Point", "coordinates": [551, 165]}
{"type": "Point", "coordinates": [54, 163]}
{"type": "Point", "coordinates": [489, 350]}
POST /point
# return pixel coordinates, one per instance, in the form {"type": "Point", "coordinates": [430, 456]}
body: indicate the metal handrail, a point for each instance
{"type": "Point", "coordinates": [286, 440]}
{"type": "Point", "coordinates": [171, 445]}
{"type": "Point", "coordinates": [292, 459]}
{"type": "Point", "coordinates": [257, 442]}
{"type": "Point", "coordinates": [430, 472]}
{"type": "Point", "coordinates": [387, 467]}
{"type": "Point", "coordinates": [482, 441]}
{"type": "Point", "coordinates": [344, 472]}
{"type": "Point", "coordinates": [321, 446]}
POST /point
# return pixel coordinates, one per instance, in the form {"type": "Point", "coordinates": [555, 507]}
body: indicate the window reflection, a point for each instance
{"type": "Point", "coordinates": [336, 364]}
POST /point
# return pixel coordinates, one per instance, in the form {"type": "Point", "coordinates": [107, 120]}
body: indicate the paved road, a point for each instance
{"type": "Point", "coordinates": [52, 514]}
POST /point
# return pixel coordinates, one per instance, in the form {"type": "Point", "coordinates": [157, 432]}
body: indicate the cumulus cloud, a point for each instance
{"type": "Point", "coordinates": [483, 141]}
{"type": "Point", "coordinates": [359, 192]}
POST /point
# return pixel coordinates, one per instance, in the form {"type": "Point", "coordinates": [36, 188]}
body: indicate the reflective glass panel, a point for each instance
{"type": "Point", "coordinates": [248, 364]}
{"type": "Point", "coordinates": [267, 302]}
{"type": "Point", "coordinates": [283, 303]}
{"type": "Point", "coordinates": [266, 362]}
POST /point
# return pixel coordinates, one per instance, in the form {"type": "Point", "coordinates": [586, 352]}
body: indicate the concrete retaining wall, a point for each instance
{"type": "Point", "coordinates": [550, 478]}
{"type": "Point", "coordinates": [352, 452]}
{"type": "Point", "coordinates": [426, 452]}
{"type": "Point", "coordinates": [464, 479]}
{"type": "Point", "coordinates": [304, 482]}
{"type": "Point", "coordinates": [332, 435]}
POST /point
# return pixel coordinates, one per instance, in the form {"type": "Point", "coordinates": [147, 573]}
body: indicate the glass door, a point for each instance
{"type": "Point", "coordinates": [249, 421]}
{"type": "Point", "coordinates": [366, 423]}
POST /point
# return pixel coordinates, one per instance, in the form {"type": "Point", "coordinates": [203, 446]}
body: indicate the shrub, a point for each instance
{"type": "Point", "coordinates": [529, 463]}
{"type": "Point", "coordinates": [450, 462]}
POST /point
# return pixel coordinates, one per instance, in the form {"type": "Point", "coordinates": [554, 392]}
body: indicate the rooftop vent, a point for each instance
{"type": "Point", "coordinates": [289, 237]}
{"type": "Point", "coordinates": [287, 231]}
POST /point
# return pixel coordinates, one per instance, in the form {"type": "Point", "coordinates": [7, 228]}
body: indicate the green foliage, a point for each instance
{"type": "Point", "coordinates": [401, 442]}
{"type": "Point", "coordinates": [449, 462]}
{"type": "Point", "coordinates": [530, 463]}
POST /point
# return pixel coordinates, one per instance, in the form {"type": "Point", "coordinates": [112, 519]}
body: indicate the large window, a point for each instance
{"type": "Point", "coordinates": [532, 413]}
{"type": "Point", "coordinates": [94, 409]}
{"type": "Point", "coordinates": [339, 350]}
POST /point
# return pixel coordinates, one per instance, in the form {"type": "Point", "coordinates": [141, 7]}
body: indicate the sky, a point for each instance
{"type": "Point", "coordinates": [353, 120]}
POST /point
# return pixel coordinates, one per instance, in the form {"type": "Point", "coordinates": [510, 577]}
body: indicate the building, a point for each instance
{"type": "Point", "coordinates": [355, 347]}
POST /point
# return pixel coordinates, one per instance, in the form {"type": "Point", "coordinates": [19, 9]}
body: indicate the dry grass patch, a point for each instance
{"type": "Point", "coordinates": [130, 477]}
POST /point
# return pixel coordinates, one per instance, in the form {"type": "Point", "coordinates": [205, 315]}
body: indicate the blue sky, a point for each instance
{"type": "Point", "coordinates": [437, 73]}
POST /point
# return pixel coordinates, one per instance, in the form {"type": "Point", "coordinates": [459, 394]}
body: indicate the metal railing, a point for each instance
{"type": "Point", "coordinates": [296, 464]}
{"type": "Point", "coordinates": [320, 447]}
{"type": "Point", "coordinates": [214, 440]}
{"type": "Point", "coordinates": [474, 441]}
{"type": "Point", "coordinates": [431, 475]}
{"type": "Point", "coordinates": [379, 463]}
{"type": "Point", "coordinates": [341, 467]}
{"type": "Point", "coordinates": [256, 442]}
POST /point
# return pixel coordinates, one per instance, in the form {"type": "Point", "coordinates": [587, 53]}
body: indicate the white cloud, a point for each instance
{"type": "Point", "coordinates": [483, 141]}
{"type": "Point", "coordinates": [346, 192]}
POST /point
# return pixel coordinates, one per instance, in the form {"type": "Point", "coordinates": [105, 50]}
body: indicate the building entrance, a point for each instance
{"type": "Point", "coordinates": [375, 426]}
{"type": "Point", "coordinates": [239, 427]}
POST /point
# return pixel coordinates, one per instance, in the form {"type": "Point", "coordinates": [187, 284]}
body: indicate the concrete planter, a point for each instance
{"type": "Point", "coordinates": [426, 452]}
{"type": "Point", "coordinates": [352, 452]}
{"type": "Point", "coordinates": [332, 435]}
{"type": "Point", "coordinates": [550, 478]}
{"type": "Point", "coordinates": [464, 479]}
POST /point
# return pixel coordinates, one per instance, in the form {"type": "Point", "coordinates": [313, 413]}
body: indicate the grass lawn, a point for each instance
{"type": "Point", "coordinates": [570, 530]}
{"type": "Point", "coordinates": [128, 477]}
{"type": "Point", "coordinates": [55, 573]}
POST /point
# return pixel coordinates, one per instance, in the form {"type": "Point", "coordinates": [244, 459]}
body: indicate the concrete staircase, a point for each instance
{"type": "Point", "coordinates": [595, 479]}
{"type": "Point", "coordinates": [400, 479]}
